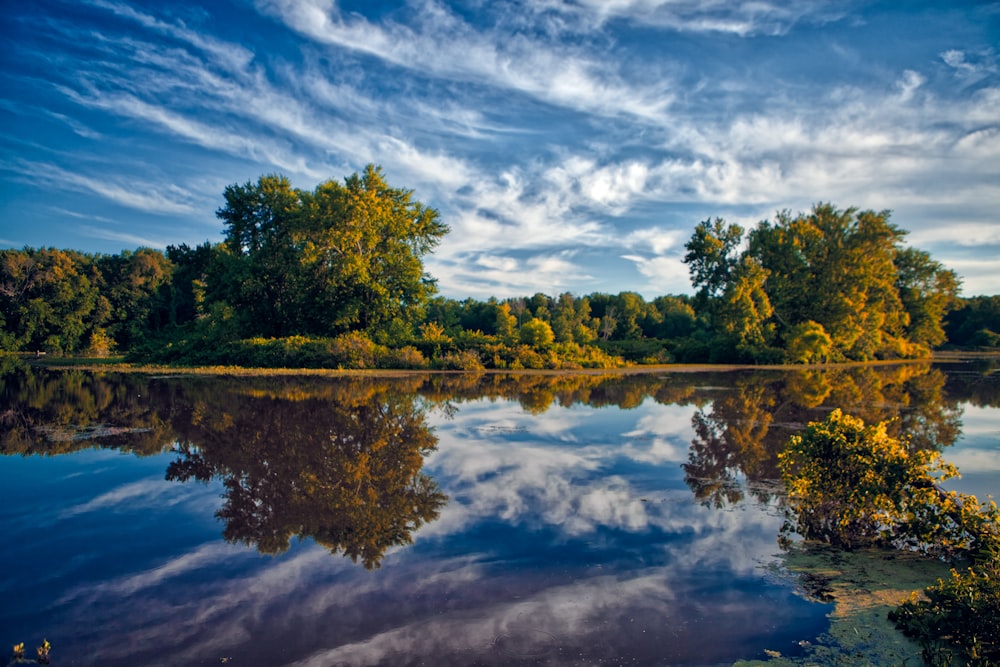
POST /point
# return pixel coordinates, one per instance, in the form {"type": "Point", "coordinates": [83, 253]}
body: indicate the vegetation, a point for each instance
{"type": "Point", "coordinates": [878, 300]}
{"type": "Point", "coordinates": [974, 323]}
{"type": "Point", "coordinates": [854, 486]}
{"type": "Point", "coordinates": [334, 278]}
{"type": "Point", "coordinates": [340, 461]}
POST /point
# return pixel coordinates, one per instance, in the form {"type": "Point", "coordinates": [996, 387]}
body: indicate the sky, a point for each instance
{"type": "Point", "coordinates": [570, 145]}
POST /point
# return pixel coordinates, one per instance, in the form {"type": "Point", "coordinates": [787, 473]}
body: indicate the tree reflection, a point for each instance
{"type": "Point", "coordinates": [339, 459]}
{"type": "Point", "coordinates": [730, 439]}
{"type": "Point", "coordinates": [737, 436]}
{"type": "Point", "coordinates": [56, 412]}
{"type": "Point", "coordinates": [347, 474]}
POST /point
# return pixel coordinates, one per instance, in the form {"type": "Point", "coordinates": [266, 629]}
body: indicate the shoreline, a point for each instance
{"type": "Point", "coordinates": [117, 366]}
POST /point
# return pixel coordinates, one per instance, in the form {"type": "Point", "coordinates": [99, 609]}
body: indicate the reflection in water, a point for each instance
{"type": "Point", "coordinates": [340, 463]}
{"type": "Point", "coordinates": [571, 535]}
{"type": "Point", "coordinates": [346, 474]}
{"type": "Point", "coordinates": [352, 449]}
{"type": "Point", "coordinates": [741, 432]}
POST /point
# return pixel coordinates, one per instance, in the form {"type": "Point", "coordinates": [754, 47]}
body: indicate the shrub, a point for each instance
{"type": "Point", "coordinates": [808, 343]}
{"type": "Point", "coordinates": [537, 333]}
{"type": "Point", "coordinates": [354, 350]}
{"type": "Point", "coordinates": [465, 360]}
{"type": "Point", "coordinates": [407, 357]}
{"type": "Point", "coordinates": [960, 615]}
{"type": "Point", "coordinates": [853, 485]}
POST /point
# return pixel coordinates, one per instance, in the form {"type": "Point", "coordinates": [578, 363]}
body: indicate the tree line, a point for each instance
{"type": "Point", "coordinates": [334, 277]}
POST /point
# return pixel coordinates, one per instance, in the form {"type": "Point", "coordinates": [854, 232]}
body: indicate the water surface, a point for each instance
{"type": "Point", "coordinates": [431, 519]}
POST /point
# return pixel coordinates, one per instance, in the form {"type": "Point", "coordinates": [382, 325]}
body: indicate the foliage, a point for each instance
{"type": "Point", "coordinates": [959, 615]}
{"type": "Point", "coordinates": [465, 360]}
{"type": "Point", "coordinates": [300, 269]}
{"type": "Point", "coordinates": [843, 270]}
{"type": "Point", "coordinates": [345, 257]}
{"type": "Point", "coordinates": [808, 343]}
{"type": "Point", "coordinates": [537, 333]}
{"type": "Point", "coordinates": [854, 485]}
{"type": "Point", "coordinates": [975, 322]}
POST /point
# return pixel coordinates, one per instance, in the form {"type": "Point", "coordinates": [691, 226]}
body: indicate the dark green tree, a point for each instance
{"type": "Point", "coordinates": [345, 257]}
{"type": "Point", "coordinates": [975, 322]}
{"type": "Point", "coordinates": [137, 287]}
{"type": "Point", "coordinates": [49, 300]}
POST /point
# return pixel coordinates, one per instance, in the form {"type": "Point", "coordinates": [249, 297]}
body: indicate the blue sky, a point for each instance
{"type": "Point", "coordinates": [571, 145]}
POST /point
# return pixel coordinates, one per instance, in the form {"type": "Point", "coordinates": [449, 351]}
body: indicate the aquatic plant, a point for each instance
{"type": "Point", "coordinates": [43, 652]}
{"type": "Point", "coordinates": [959, 615]}
{"type": "Point", "coordinates": [18, 651]}
{"type": "Point", "coordinates": [854, 486]}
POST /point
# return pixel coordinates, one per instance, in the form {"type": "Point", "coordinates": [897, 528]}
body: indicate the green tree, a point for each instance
{"type": "Point", "coordinates": [49, 299]}
{"type": "Point", "coordinates": [506, 324]}
{"type": "Point", "coordinates": [928, 292]}
{"type": "Point", "coordinates": [835, 267]}
{"type": "Point", "coordinates": [344, 257]}
{"type": "Point", "coordinates": [975, 321]}
{"type": "Point", "coordinates": [137, 287]}
{"type": "Point", "coordinates": [677, 317]}
{"type": "Point", "coordinates": [191, 268]}
{"type": "Point", "coordinates": [537, 333]}
{"type": "Point", "coordinates": [808, 343]}
{"type": "Point", "coordinates": [743, 309]}
{"type": "Point", "coordinates": [571, 320]}
{"type": "Point", "coordinates": [712, 256]}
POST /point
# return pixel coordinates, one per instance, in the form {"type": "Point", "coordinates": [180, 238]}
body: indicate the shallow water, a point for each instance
{"type": "Point", "coordinates": [438, 519]}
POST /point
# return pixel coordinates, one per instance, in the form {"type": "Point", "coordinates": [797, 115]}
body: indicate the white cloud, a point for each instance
{"type": "Point", "coordinates": [440, 44]}
{"type": "Point", "coordinates": [132, 193]}
{"type": "Point", "coordinates": [233, 56]}
{"type": "Point", "coordinates": [699, 16]}
{"type": "Point", "coordinates": [664, 274]}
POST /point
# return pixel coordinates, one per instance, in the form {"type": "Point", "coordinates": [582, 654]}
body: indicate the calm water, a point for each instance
{"type": "Point", "coordinates": [437, 520]}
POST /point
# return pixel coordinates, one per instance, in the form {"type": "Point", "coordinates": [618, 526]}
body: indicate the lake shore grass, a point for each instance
{"type": "Point", "coordinates": [118, 365]}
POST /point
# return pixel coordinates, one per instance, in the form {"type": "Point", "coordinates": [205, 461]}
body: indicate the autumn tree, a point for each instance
{"type": "Point", "coordinates": [845, 271]}
{"type": "Point", "coordinates": [49, 300]}
{"type": "Point", "coordinates": [344, 257]}
{"type": "Point", "coordinates": [836, 268]}
{"type": "Point", "coordinates": [928, 292]}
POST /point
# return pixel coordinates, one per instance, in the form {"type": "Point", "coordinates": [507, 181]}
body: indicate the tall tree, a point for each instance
{"type": "Point", "coordinates": [712, 256]}
{"type": "Point", "coordinates": [841, 272]}
{"type": "Point", "coordinates": [344, 257]}
{"type": "Point", "coordinates": [363, 246]}
{"type": "Point", "coordinates": [928, 292]}
{"type": "Point", "coordinates": [835, 268]}
{"type": "Point", "coordinates": [261, 236]}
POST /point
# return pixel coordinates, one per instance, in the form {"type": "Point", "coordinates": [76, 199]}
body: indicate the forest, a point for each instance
{"type": "Point", "coordinates": [334, 278]}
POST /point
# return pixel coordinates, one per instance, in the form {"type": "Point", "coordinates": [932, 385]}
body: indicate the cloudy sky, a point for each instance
{"type": "Point", "coordinates": [571, 145]}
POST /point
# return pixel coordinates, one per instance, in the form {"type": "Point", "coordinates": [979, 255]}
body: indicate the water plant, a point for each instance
{"type": "Point", "coordinates": [853, 486]}
{"type": "Point", "coordinates": [959, 615]}
{"type": "Point", "coordinates": [43, 652]}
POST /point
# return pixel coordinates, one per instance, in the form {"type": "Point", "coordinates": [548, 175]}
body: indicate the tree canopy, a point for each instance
{"type": "Point", "coordinates": [334, 277]}
{"type": "Point", "coordinates": [343, 257]}
{"type": "Point", "coordinates": [842, 274]}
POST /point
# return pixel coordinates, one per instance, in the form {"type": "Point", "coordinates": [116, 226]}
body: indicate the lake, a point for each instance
{"type": "Point", "coordinates": [434, 519]}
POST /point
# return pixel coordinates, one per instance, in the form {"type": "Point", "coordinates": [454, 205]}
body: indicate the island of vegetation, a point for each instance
{"type": "Point", "coordinates": [334, 278]}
